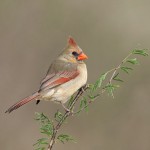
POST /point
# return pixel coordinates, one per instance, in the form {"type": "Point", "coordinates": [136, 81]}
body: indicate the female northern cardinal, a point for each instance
{"type": "Point", "coordinates": [65, 76]}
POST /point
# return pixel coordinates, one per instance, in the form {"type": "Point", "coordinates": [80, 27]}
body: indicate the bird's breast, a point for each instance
{"type": "Point", "coordinates": [66, 90]}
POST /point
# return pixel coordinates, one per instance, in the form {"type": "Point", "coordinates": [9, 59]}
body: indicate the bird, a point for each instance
{"type": "Point", "coordinates": [65, 76]}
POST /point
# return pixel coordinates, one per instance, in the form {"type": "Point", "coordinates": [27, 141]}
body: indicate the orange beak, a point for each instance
{"type": "Point", "coordinates": [82, 56]}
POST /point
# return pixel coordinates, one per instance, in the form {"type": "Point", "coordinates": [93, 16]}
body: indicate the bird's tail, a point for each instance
{"type": "Point", "coordinates": [22, 102]}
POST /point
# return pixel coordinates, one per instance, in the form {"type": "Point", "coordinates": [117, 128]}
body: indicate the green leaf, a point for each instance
{"type": "Point", "coordinates": [58, 116]}
{"type": "Point", "coordinates": [84, 104]}
{"type": "Point", "coordinates": [40, 143]}
{"type": "Point", "coordinates": [91, 86]}
{"type": "Point", "coordinates": [116, 78]}
{"type": "Point", "coordinates": [110, 88]}
{"type": "Point", "coordinates": [41, 117]}
{"type": "Point", "coordinates": [126, 69]}
{"type": "Point", "coordinates": [46, 124]}
{"type": "Point", "coordinates": [93, 97]}
{"type": "Point", "coordinates": [98, 83]}
{"type": "Point", "coordinates": [142, 52]}
{"type": "Point", "coordinates": [64, 138]}
{"type": "Point", "coordinates": [133, 61]}
{"type": "Point", "coordinates": [47, 129]}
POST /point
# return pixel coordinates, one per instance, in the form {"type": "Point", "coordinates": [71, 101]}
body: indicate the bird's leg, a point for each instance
{"type": "Point", "coordinates": [66, 109]}
{"type": "Point", "coordinates": [83, 88]}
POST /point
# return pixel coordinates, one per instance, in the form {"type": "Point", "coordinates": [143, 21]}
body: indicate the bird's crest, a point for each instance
{"type": "Point", "coordinates": [72, 42]}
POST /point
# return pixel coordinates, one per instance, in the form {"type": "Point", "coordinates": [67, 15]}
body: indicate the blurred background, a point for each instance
{"type": "Point", "coordinates": [32, 34]}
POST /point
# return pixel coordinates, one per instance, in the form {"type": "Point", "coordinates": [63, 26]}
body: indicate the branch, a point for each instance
{"type": "Point", "coordinates": [113, 71]}
{"type": "Point", "coordinates": [91, 93]}
{"type": "Point", "coordinates": [65, 116]}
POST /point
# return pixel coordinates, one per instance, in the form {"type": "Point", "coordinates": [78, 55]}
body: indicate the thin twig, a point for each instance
{"type": "Point", "coordinates": [118, 67]}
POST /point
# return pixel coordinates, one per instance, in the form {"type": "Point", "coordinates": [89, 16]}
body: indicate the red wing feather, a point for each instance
{"type": "Point", "coordinates": [48, 77]}
{"type": "Point", "coordinates": [59, 79]}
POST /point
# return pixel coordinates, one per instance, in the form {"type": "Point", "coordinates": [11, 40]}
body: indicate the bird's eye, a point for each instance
{"type": "Point", "coordinates": [75, 54]}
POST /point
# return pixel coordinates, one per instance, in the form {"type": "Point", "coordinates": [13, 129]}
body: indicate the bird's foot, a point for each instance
{"type": "Point", "coordinates": [66, 109]}
{"type": "Point", "coordinates": [83, 88]}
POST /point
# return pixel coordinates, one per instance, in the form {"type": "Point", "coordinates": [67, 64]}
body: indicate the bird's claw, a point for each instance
{"type": "Point", "coordinates": [83, 88]}
{"type": "Point", "coordinates": [66, 109]}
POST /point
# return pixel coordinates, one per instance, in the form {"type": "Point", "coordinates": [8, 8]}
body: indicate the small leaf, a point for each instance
{"type": "Point", "coordinates": [40, 142]}
{"type": "Point", "coordinates": [41, 117]}
{"type": "Point", "coordinates": [116, 78]}
{"type": "Point", "coordinates": [47, 129]}
{"type": "Point", "coordinates": [98, 83]}
{"type": "Point", "coordinates": [110, 88]}
{"type": "Point", "coordinates": [91, 86]}
{"type": "Point", "coordinates": [46, 124]}
{"type": "Point", "coordinates": [64, 138]}
{"type": "Point", "coordinates": [83, 104]}
{"type": "Point", "coordinates": [92, 97]}
{"type": "Point", "coordinates": [133, 61]}
{"type": "Point", "coordinates": [58, 116]}
{"type": "Point", "coordinates": [140, 52]}
{"type": "Point", "coordinates": [126, 69]}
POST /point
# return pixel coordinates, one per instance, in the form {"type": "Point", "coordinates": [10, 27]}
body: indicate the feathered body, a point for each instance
{"type": "Point", "coordinates": [65, 76]}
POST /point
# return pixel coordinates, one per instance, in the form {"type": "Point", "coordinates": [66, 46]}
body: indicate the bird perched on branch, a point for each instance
{"type": "Point", "coordinates": [65, 76]}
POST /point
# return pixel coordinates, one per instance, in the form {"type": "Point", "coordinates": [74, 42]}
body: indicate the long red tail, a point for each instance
{"type": "Point", "coordinates": [22, 102]}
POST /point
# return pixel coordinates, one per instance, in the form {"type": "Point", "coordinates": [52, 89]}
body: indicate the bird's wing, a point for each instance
{"type": "Point", "coordinates": [59, 72]}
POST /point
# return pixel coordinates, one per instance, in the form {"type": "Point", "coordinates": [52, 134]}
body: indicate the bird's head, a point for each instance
{"type": "Point", "coordinates": [73, 52]}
